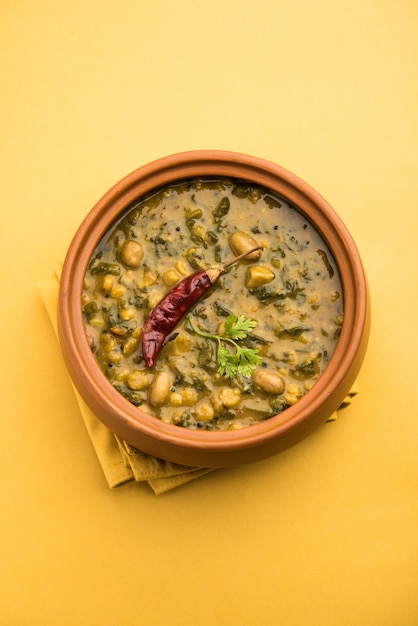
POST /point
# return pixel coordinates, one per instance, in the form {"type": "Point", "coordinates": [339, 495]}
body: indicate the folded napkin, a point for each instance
{"type": "Point", "coordinates": [122, 463]}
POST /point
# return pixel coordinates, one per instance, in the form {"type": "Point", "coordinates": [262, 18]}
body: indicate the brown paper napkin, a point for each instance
{"type": "Point", "coordinates": [122, 463]}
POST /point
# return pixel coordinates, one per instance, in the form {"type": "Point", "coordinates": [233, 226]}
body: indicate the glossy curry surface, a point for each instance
{"type": "Point", "coordinates": [255, 342]}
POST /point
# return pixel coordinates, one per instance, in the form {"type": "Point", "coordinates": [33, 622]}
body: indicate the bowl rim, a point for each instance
{"type": "Point", "coordinates": [214, 448]}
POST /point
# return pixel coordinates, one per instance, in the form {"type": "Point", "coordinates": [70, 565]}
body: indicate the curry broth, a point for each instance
{"type": "Point", "coordinates": [293, 292]}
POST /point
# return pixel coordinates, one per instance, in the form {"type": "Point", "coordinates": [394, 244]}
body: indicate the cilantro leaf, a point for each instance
{"type": "Point", "coordinates": [239, 359]}
{"type": "Point", "coordinates": [238, 327]}
{"type": "Point", "coordinates": [226, 361]}
{"type": "Point", "coordinates": [248, 360]}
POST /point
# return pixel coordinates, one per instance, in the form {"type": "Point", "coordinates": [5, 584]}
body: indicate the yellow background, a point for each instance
{"type": "Point", "coordinates": [323, 534]}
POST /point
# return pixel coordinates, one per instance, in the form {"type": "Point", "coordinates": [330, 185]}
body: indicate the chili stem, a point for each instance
{"type": "Point", "coordinates": [241, 256]}
{"type": "Point", "coordinates": [214, 272]}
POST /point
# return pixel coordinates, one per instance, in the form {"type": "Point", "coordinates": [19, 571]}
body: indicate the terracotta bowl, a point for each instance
{"type": "Point", "coordinates": [209, 448]}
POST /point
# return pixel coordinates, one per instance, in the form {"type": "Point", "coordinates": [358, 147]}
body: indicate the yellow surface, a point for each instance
{"type": "Point", "coordinates": [324, 534]}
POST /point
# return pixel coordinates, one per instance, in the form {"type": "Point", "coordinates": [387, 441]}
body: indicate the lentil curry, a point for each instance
{"type": "Point", "coordinates": [280, 308]}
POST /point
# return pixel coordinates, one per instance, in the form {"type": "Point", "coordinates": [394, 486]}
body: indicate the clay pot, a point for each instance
{"type": "Point", "coordinates": [209, 448]}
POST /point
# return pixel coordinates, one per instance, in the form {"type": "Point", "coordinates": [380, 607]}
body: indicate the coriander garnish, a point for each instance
{"type": "Point", "coordinates": [240, 361]}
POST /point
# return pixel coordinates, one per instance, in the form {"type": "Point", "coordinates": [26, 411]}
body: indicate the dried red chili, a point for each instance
{"type": "Point", "coordinates": [163, 319]}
